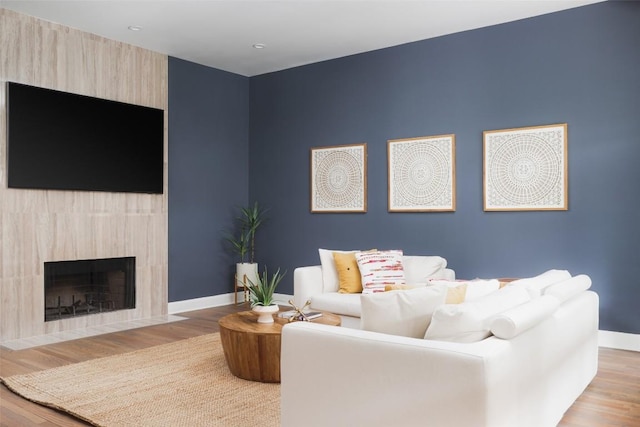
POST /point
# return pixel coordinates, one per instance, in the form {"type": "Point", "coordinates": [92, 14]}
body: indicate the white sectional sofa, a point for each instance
{"type": "Point", "coordinates": [319, 283]}
{"type": "Point", "coordinates": [548, 354]}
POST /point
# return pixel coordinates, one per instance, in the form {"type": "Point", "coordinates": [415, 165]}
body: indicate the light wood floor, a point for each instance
{"type": "Point", "coordinates": [612, 399]}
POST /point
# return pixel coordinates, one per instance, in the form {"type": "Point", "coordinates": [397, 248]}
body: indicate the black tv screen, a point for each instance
{"type": "Point", "coordinates": [63, 141]}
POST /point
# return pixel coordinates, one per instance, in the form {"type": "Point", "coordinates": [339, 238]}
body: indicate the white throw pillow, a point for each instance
{"type": "Point", "coordinates": [535, 285]}
{"type": "Point", "coordinates": [380, 268]}
{"type": "Point", "coordinates": [514, 321]}
{"type": "Point", "coordinates": [419, 269]}
{"type": "Point", "coordinates": [406, 313]}
{"type": "Point", "coordinates": [569, 288]}
{"type": "Point", "coordinates": [471, 321]}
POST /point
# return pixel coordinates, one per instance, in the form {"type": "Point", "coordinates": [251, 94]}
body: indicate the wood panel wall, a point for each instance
{"type": "Point", "coordinates": [45, 225]}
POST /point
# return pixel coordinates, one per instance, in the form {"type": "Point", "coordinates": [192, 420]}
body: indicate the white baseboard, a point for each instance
{"type": "Point", "coordinates": [617, 340]}
{"type": "Point", "coordinates": [200, 303]}
{"type": "Point", "coordinates": [215, 301]}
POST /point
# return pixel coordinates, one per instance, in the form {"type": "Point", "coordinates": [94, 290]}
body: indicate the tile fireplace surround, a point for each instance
{"type": "Point", "coordinates": [38, 226]}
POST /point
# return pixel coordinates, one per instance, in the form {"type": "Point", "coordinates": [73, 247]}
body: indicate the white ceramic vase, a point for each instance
{"type": "Point", "coordinates": [265, 314]}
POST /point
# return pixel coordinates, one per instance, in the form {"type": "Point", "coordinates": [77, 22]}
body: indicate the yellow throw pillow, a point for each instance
{"type": "Point", "coordinates": [456, 294]}
{"type": "Point", "coordinates": [388, 288]}
{"type": "Point", "coordinates": [349, 280]}
{"type": "Point", "coordinates": [504, 281]}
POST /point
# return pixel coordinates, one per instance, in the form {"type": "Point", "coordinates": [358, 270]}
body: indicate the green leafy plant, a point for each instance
{"type": "Point", "coordinates": [261, 293]}
{"type": "Point", "coordinates": [239, 245]}
{"type": "Point", "coordinates": [250, 219]}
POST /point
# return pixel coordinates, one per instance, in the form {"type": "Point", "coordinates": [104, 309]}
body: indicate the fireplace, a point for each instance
{"type": "Point", "coordinates": [84, 287]}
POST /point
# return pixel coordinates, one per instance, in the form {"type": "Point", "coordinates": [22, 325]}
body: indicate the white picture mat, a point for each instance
{"type": "Point", "coordinates": [339, 178]}
{"type": "Point", "coordinates": [526, 168]}
{"type": "Point", "coordinates": [422, 174]}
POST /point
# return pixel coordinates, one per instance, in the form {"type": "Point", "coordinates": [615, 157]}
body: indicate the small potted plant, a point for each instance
{"type": "Point", "coordinates": [261, 295]}
{"type": "Point", "coordinates": [252, 218]}
{"type": "Point", "coordinates": [244, 244]}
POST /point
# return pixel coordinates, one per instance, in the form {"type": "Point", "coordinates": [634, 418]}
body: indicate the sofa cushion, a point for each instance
{"type": "Point", "coordinates": [535, 285]}
{"type": "Point", "coordinates": [480, 288]}
{"type": "Point", "coordinates": [471, 320]}
{"type": "Point", "coordinates": [349, 280]}
{"type": "Point", "coordinates": [514, 321]}
{"type": "Point", "coordinates": [334, 302]}
{"type": "Point", "coordinates": [476, 288]}
{"type": "Point", "coordinates": [569, 288]}
{"type": "Point", "coordinates": [406, 313]}
{"type": "Point", "coordinates": [455, 294]}
{"type": "Point", "coordinates": [419, 269]}
{"type": "Point", "coordinates": [380, 268]}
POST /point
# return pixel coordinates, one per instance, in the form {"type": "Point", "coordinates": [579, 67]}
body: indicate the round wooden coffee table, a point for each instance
{"type": "Point", "coordinates": [252, 349]}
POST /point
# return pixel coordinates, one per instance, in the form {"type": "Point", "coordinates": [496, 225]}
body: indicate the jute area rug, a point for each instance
{"type": "Point", "coordinates": [185, 383]}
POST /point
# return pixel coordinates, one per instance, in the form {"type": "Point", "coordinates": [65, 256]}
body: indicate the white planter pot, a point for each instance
{"type": "Point", "coordinates": [246, 271]}
{"type": "Point", "coordinates": [265, 314]}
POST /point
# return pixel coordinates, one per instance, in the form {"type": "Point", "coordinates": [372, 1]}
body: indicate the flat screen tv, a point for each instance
{"type": "Point", "coordinates": [63, 141]}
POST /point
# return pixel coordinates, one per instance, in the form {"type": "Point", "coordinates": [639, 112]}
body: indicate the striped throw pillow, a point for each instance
{"type": "Point", "coordinates": [379, 269]}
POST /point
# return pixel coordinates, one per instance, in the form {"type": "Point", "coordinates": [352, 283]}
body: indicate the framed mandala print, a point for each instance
{"type": "Point", "coordinates": [422, 174]}
{"type": "Point", "coordinates": [525, 169]}
{"type": "Point", "coordinates": [339, 178]}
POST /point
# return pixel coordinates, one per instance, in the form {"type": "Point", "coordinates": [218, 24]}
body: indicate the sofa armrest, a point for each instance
{"type": "Point", "coordinates": [449, 274]}
{"type": "Point", "coordinates": [307, 282]}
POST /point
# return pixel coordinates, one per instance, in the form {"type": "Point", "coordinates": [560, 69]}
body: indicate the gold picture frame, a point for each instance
{"type": "Point", "coordinates": [526, 169]}
{"type": "Point", "coordinates": [338, 179]}
{"type": "Point", "coordinates": [422, 174]}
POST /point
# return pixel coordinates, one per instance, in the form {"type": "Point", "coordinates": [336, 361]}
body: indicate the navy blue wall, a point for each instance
{"type": "Point", "coordinates": [578, 66]}
{"type": "Point", "coordinates": [208, 175]}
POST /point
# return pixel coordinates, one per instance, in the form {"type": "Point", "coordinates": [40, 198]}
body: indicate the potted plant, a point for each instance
{"type": "Point", "coordinates": [252, 217]}
{"type": "Point", "coordinates": [244, 244]}
{"type": "Point", "coordinates": [261, 295]}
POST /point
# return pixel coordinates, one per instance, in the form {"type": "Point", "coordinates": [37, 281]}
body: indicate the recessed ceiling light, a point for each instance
{"type": "Point", "coordinates": [259, 46]}
{"type": "Point", "coordinates": [134, 28]}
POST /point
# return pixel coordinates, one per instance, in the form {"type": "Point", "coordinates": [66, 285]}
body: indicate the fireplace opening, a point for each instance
{"type": "Point", "coordinates": [83, 287]}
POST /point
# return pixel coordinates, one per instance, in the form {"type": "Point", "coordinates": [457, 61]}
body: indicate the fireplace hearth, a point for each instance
{"type": "Point", "coordinates": [84, 287]}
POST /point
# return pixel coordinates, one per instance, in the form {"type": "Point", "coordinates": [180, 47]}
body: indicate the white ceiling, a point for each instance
{"type": "Point", "coordinates": [221, 33]}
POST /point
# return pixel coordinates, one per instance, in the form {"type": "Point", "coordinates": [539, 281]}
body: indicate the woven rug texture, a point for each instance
{"type": "Point", "coordinates": [184, 383]}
